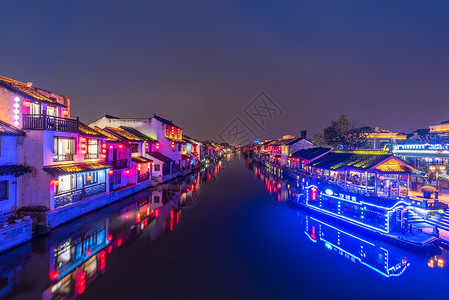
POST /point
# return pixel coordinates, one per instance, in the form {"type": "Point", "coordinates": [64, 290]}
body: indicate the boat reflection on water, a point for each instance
{"type": "Point", "coordinates": [378, 256]}
{"type": "Point", "coordinates": [63, 264]}
{"type": "Point", "coordinates": [385, 260]}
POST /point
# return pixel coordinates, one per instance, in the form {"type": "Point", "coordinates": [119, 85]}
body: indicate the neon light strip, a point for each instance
{"type": "Point", "coordinates": [361, 201]}
{"type": "Point", "coordinates": [399, 151]}
{"type": "Point", "coordinates": [369, 266]}
{"type": "Point", "coordinates": [309, 237]}
{"type": "Point", "coordinates": [347, 219]}
{"type": "Point", "coordinates": [343, 231]}
{"type": "Point", "coordinates": [16, 111]}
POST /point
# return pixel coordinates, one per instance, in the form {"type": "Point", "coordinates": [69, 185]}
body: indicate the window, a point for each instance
{"type": "Point", "coordinates": [135, 148]}
{"type": "Point", "coordinates": [157, 168]}
{"type": "Point", "coordinates": [157, 199]}
{"type": "Point", "coordinates": [93, 149]}
{"type": "Point", "coordinates": [66, 183]}
{"type": "Point", "coordinates": [179, 147]}
{"type": "Point", "coordinates": [35, 108]}
{"type": "Point", "coordinates": [4, 190]}
{"type": "Point", "coordinates": [63, 148]}
{"type": "Point", "coordinates": [52, 111]}
{"type": "Point", "coordinates": [90, 178]}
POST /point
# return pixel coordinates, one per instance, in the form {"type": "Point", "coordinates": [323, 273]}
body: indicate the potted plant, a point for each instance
{"type": "Point", "coordinates": [427, 191]}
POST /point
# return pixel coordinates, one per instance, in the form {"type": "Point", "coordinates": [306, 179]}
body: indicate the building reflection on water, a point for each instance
{"type": "Point", "coordinates": [63, 265]}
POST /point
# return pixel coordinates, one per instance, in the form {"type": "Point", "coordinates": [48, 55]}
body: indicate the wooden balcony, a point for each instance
{"type": "Point", "coordinates": [118, 164]}
{"type": "Point", "coordinates": [45, 122]}
{"type": "Point", "coordinates": [143, 177]}
{"type": "Point", "coordinates": [73, 196]}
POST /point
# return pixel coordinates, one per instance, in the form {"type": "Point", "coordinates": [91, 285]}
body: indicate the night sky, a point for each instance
{"type": "Point", "coordinates": [199, 63]}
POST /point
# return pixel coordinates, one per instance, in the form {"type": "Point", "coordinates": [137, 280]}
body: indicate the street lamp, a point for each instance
{"type": "Point", "coordinates": [435, 168]}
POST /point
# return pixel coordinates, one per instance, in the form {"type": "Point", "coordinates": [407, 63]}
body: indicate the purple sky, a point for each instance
{"type": "Point", "coordinates": [199, 63]}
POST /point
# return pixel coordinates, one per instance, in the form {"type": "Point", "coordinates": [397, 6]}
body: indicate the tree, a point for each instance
{"type": "Point", "coordinates": [319, 141]}
{"type": "Point", "coordinates": [341, 134]}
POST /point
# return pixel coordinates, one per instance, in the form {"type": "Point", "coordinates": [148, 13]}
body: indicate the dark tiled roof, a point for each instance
{"type": "Point", "coordinates": [121, 133]}
{"type": "Point", "coordinates": [13, 170]}
{"type": "Point", "coordinates": [283, 141]}
{"type": "Point", "coordinates": [76, 168]}
{"type": "Point", "coordinates": [165, 121]}
{"type": "Point", "coordinates": [311, 153]}
{"type": "Point", "coordinates": [361, 161]}
{"type": "Point", "coordinates": [159, 156]}
{"type": "Point", "coordinates": [6, 129]}
{"type": "Point", "coordinates": [138, 134]}
{"type": "Point", "coordinates": [190, 140]}
{"type": "Point", "coordinates": [185, 156]}
{"type": "Point", "coordinates": [85, 130]}
{"type": "Point", "coordinates": [24, 90]}
{"type": "Point", "coordinates": [110, 137]}
{"type": "Point", "coordinates": [294, 141]}
{"type": "Point", "coordinates": [265, 142]}
{"type": "Point", "coordinates": [140, 159]}
{"type": "Point", "coordinates": [340, 160]}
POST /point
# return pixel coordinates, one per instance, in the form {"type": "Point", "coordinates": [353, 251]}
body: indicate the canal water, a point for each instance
{"type": "Point", "coordinates": [226, 232]}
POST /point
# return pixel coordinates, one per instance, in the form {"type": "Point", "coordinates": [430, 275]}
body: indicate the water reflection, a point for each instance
{"type": "Point", "coordinates": [381, 257]}
{"type": "Point", "coordinates": [387, 261]}
{"type": "Point", "coordinates": [63, 264]}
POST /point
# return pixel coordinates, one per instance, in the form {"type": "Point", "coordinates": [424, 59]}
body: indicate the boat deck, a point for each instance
{"type": "Point", "coordinates": [420, 239]}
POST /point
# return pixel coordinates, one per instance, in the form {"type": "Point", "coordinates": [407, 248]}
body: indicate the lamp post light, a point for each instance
{"type": "Point", "coordinates": [435, 168]}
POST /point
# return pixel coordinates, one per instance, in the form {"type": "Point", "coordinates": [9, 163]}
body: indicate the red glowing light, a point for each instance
{"type": "Point", "coordinates": [102, 259]}
{"type": "Point", "coordinates": [88, 252]}
{"type": "Point", "coordinates": [56, 182]}
{"type": "Point", "coordinates": [110, 237]}
{"type": "Point", "coordinates": [119, 242]}
{"type": "Point", "coordinates": [313, 236]}
{"type": "Point", "coordinates": [54, 275]}
{"type": "Point", "coordinates": [404, 261]}
{"type": "Point", "coordinates": [156, 213]}
{"type": "Point", "coordinates": [80, 283]}
{"type": "Point", "coordinates": [109, 249]}
{"type": "Point", "coordinates": [110, 172]}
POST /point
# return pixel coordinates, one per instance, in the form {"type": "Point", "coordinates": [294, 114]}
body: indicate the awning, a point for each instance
{"type": "Point", "coordinates": [185, 157]}
{"type": "Point", "coordinates": [194, 153]}
{"type": "Point", "coordinates": [141, 159]}
{"type": "Point", "coordinates": [13, 170]}
{"type": "Point", "coordinates": [76, 168]}
{"type": "Point", "coordinates": [159, 156]}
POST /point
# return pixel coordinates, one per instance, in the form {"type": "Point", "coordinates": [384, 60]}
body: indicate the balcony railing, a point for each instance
{"type": "Point", "coordinates": [63, 157]}
{"type": "Point", "coordinates": [91, 156]}
{"type": "Point", "coordinates": [143, 177]}
{"type": "Point", "coordinates": [76, 195]}
{"type": "Point", "coordinates": [45, 122]}
{"type": "Point", "coordinates": [118, 164]}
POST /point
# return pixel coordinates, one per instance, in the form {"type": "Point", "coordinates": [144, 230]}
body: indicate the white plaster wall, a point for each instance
{"type": "Point", "coordinates": [9, 205]}
{"type": "Point", "coordinates": [36, 185]}
{"type": "Point", "coordinates": [6, 106]}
